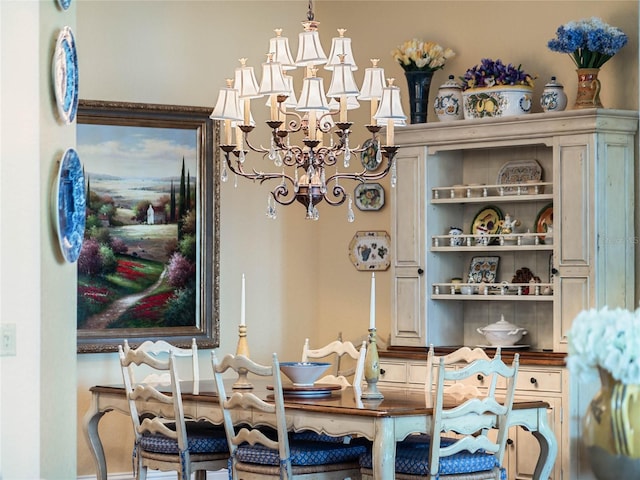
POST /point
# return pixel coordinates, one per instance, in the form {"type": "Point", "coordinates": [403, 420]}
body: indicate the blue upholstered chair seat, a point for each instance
{"type": "Point", "coordinates": [302, 453]}
{"type": "Point", "coordinates": [201, 439]}
{"type": "Point", "coordinates": [317, 437]}
{"type": "Point", "coordinates": [413, 459]}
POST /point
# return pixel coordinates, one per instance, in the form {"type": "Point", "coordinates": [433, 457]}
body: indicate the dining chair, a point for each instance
{"type": "Point", "coordinates": [474, 453]}
{"type": "Point", "coordinates": [263, 454]}
{"type": "Point", "coordinates": [335, 351]}
{"type": "Point", "coordinates": [166, 440]}
{"type": "Point", "coordinates": [160, 349]}
{"type": "Point", "coordinates": [460, 357]}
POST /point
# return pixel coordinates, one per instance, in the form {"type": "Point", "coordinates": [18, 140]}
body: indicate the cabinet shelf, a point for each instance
{"type": "Point", "coordinates": [495, 199]}
{"type": "Point", "coordinates": [494, 248]}
{"type": "Point", "coordinates": [492, 297]}
{"type": "Point", "coordinates": [494, 193]}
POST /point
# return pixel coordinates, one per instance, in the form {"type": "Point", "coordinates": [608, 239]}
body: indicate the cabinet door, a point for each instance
{"type": "Point", "coordinates": [408, 246]}
{"type": "Point", "coordinates": [523, 449]}
{"type": "Point", "coordinates": [573, 231]}
{"type": "Point", "coordinates": [594, 231]}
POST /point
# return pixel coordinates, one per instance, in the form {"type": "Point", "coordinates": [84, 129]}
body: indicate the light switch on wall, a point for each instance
{"type": "Point", "coordinates": [8, 339]}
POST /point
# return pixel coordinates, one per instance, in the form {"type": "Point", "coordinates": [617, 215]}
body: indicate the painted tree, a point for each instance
{"type": "Point", "coordinates": [188, 202]}
{"type": "Point", "coordinates": [172, 204]}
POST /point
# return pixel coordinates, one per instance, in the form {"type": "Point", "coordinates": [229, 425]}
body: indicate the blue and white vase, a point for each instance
{"type": "Point", "coordinates": [553, 98]}
{"type": "Point", "coordinates": [448, 102]}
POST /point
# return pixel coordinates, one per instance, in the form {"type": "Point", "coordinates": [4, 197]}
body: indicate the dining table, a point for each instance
{"type": "Point", "coordinates": [333, 412]}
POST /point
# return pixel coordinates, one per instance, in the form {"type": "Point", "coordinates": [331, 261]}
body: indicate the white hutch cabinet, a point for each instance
{"type": "Point", "coordinates": [449, 175]}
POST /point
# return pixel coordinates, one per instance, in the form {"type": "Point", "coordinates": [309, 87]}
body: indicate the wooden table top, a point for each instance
{"type": "Point", "coordinates": [395, 402]}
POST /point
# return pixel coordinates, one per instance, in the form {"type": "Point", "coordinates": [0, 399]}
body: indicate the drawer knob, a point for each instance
{"type": "Point", "coordinates": [382, 371]}
{"type": "Point", "coordinates": [480, 377]}
{"type": "Point", "coordinates": [420, 271]}
{"type": "Point", "coordinates": [509, 441]}
{"type": "Point", "coordinates": [533, 380]}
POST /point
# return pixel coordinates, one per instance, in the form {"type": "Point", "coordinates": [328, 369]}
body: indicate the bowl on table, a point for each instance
{"type": "Point", "coordinates": [303, 374]}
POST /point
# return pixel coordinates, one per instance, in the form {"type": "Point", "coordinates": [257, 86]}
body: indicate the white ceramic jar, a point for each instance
{"type": "Point", "coordinates": [448, 102]}
{"type": "Point", "coordinates": [553, 98]}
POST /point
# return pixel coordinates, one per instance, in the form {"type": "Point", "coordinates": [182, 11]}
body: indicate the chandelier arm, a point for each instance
{"type": "Point", "coordinates": [256, 175]}
{"type": "Point", "coordinates": [259, 149]}
{"type": "Point", "coordinates": [294, 124]}
{"type": "Point", "coordinates": [280, 193]}
{"type": "Point", "coordinates": [363, 176]}
{"type": "Point", "coordinates": [339, 193]}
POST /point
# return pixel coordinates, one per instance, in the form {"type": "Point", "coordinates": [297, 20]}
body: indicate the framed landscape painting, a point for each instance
{"type": "Point", "coordinates": [150, 260]}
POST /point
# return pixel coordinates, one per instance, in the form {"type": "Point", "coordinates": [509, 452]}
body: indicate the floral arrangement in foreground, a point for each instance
{"type": "Point", "coordinates": [417, 55]}
{"type": "Point", "coordinates": [490, 73]}
{"type": "Point", "coordinates": [590, 43]}
{"type": "Point", "coordinates": [608, 339]}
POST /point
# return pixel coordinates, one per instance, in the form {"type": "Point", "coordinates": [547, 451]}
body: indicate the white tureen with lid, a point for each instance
{"type": "Point", "coordinates": [502, 333]}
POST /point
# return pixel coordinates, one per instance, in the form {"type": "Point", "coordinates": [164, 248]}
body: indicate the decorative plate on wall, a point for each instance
{"type": "Point", "coordinates": [370, 250]}
{"type": "Point", "coordinates": [371, 156]}
{"type": "Point", "coordinates": [369, 196]}
{"type": "Point", "coordinates": [70, 205]}
{"type": "Point", "coordinates": [65, 75]}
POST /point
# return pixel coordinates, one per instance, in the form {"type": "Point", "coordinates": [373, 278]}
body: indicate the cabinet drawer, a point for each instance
{"type": "Point", "coordinates": [534, 380]}
{"type": "Point", "coordinates": [393, 372]}
{"type": "Point", "coordinates": [417, 373]}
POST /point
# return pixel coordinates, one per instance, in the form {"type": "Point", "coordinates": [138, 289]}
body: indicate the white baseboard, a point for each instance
{"type": "Point", "coordinates": [155, 475]}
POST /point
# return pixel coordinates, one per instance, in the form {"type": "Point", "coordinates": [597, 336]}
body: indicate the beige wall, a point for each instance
{"type": "Point", "coordinates": [299, 279]}
{"type": "Point", "coordinates": [38, 384]}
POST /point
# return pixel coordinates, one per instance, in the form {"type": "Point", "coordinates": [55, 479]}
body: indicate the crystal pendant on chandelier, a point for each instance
{"type": "Point", "coordinates": [318, 117]}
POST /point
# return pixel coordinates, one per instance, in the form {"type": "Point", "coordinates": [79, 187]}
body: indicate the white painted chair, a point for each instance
{"type": "Point", "coordinates": [333, 352]}
{"type": "Point", "coordinates": [473, 453]}
{"type": "Point", "coordinates": [166, 441]}
{"type": "Point", "coordinates": [460, 357]}
{"type": "Point", "coordinates": [259, 455]}
{"type": "Point", "coordinates": [160, 349]}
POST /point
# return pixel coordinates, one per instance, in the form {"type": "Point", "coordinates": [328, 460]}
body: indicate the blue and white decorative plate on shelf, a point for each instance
{"type": "Point", "coordinates": [64, 4]}
{"type": "Point", "coordinates": [65, 75]}
{"type": "Point", "coordinates": [70, 205]}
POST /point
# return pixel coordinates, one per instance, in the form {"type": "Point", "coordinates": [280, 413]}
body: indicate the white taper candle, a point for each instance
{"type": "Point", "coordinates": [372, 308]}
{"type": "Point", "coordinates": [242, 305]}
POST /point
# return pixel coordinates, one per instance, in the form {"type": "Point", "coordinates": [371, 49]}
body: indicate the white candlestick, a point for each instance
{"type": "Point", "coordinates": [372, 308]}
{"type": "Point", "coordinates": [242, 305]}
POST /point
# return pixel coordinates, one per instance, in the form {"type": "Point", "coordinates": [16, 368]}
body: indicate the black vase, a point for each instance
{"type": "Point", "coordinates": [419, 82]}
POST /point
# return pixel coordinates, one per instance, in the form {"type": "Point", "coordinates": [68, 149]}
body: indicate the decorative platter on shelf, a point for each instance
{"type": "Point", "coordinates": [370, 250]}
{"type": "Point", "coordinates": [483, 269]}
{"type": "Point", "coordinates": [65, 75]}
{"type": "Point", "coordinates": [487, 222]}
{"type": "Point", "coordinates": [516, 172]}
{"type": "Point", "coordinates": [369, 196]}
{"type": "Point", "coordinates": [315, 390]}
{"type": "Point", "coordinates": [544, 221]}
{"type": "Point", "coordinates": [70, 205]}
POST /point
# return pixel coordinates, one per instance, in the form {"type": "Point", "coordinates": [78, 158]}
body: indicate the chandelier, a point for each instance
{"type": "Point", "coordinates": [308, 173]}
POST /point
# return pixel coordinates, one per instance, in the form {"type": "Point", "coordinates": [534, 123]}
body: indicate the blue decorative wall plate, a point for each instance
{"type": "Point", "coordinates": [70, 205]}
{"type": "Point", "coordinates": [64, 4]}
{"type": "Point", "coordinates": [65, 75]}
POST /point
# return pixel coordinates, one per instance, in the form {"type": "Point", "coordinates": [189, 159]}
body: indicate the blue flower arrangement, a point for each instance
{"type": "Point", "coordinates": [490, 73]}
{"type": "Point", "coordinates": [590, 43]}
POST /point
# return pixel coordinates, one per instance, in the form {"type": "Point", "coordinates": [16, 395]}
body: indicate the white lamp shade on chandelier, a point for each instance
{"type": "Point", "coordinates": [313, 183]}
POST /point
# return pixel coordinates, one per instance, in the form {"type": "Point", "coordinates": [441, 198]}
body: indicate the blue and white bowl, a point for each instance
{"type": "Point", "coordinates": [304, 374]}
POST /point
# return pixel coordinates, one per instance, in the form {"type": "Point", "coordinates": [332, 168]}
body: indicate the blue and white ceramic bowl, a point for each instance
{"type": "Point", "coordinates": [303, 374]}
